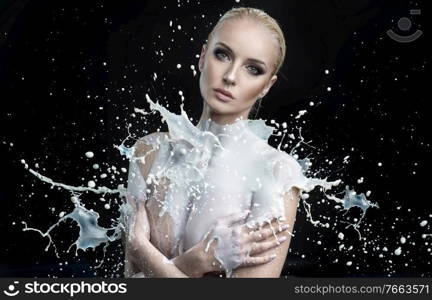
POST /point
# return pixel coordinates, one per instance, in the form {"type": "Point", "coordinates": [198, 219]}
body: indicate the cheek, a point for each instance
{"type": "Point", "coordinates": [205, 77]}
{"type": "Point", "coordinates": [251, 91]}
{"type": "Point", "coordinates": [210, 77]}
{"type": "Point", "coordinates": [207, 74]}
{"type": "Point", "coordinates": [212, 71]}
{"type": "Point", "coordinates": [203, 85]}
{"type": "Point", "coordinates": [207, 81]}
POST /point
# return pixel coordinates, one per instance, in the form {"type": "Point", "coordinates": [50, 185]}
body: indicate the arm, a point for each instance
{"type": "Point", "coordinates": [274, 268]}
{"type": "Point", "coordinates": [148, 259]}
{"type": "Point", "coordinates": [144, 257]}
{"type": "Point", "coordinates": [141, 254]}
{"type": "Point", "coordinates": [198, 260]}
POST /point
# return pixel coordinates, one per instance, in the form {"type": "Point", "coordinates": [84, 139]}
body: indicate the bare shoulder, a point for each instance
{"type": "Point", "coordinates": [145, 145]}
{"type": "Point", "coordinates": [145, 151]}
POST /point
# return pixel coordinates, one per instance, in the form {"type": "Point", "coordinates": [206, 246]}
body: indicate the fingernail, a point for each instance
{"type": "Point", "coordinates": [282, 239]}
{"type": "Point", "coordinates": [285, 227]}
{"type": "Point", "coordinates": [273, 256]}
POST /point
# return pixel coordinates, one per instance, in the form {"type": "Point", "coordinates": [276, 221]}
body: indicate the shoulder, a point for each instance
{"type": "Point", "coordinates": [287, 165]}
{"type": "Point", "coordinates": [286, 160]}
{"type": "Point", "coordinates": [281, 164]}
{"type": "Point", "coordinates": [147, 143]}
{"type": "Point", "coordinates": [277, 157]}
{"type": "Point", "coordinates": [145, 151]}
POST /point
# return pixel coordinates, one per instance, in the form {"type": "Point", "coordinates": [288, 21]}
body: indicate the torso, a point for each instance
{"type": "Point", "coordinates": [198, 174]}
{"type": "Point", "coordinates": [194, 175]}
{"type": "Point", "coordinates": [228, 188]}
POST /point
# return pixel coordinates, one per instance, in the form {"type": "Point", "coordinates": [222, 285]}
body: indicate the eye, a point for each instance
{"type": "Point", "coordinates": [220, 54]}
{"type": "Point", "coordinates": [255, 70]}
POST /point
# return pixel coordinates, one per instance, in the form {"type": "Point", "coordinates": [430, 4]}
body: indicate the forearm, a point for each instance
{"type": "Point", "coordinates": [152, 263]}
{"type": "Point", "coordinates": [141, 256]}
{"type": "Point", "coordinates": [193, 262]}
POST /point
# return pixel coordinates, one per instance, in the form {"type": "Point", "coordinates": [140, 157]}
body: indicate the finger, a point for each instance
{"type": "Point", "coordinates": [257, 260]}
{"type": "Point", "coordinates": [266, 232]}
{"type": "Point", "coordinates": [260, 247]}
{"type": "Point", "coordinates": [235, 218]}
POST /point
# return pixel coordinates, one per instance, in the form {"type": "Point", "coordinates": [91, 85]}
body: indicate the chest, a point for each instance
{"type": "Point", "coordinates": [181, 213]}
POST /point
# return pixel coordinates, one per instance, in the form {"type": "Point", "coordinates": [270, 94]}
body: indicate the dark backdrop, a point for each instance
{"type": "Point", "coordinates": [72, 72]}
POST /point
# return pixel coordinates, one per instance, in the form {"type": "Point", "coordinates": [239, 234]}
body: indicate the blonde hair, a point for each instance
{"type": "Point", "coordinates": [262, 17]}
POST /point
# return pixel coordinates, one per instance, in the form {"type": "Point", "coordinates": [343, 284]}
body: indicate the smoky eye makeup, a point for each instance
{"type": "Point", "coordinates": [258, 70]}
{"type": "Point", "coordinates": [222, 54]}
{"type": "Point", "coordinates": [218, 52]}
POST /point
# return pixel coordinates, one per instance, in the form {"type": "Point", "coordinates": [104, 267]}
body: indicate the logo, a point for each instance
{"type": "Point", "coordinates": [11, 290]}
{"type": "Point", "coordinates": [404, 24]}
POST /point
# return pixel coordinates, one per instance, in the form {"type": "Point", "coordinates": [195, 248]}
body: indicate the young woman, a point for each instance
{"type": "Point", "coordinates": [215, 198]}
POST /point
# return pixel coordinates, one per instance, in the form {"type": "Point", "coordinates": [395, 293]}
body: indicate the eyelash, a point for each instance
{"type": "Point", "coordinates": [217, 52]}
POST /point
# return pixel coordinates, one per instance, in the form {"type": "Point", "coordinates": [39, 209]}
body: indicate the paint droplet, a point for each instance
{"type": "Point", "coordinates": [398, 251]}
{"type": "Point", "coordinates": [91, 184]}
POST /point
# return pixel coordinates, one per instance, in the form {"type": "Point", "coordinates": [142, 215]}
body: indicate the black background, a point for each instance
{"type": "Point", "coordinates": [72, 72]}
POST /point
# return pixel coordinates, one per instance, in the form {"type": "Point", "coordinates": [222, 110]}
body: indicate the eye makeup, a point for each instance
{"type": "Point", "coordinates": [222, 54]}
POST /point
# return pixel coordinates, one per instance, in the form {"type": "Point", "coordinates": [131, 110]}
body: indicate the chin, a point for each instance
{"type": "Point", "coordinates": [219, 107]}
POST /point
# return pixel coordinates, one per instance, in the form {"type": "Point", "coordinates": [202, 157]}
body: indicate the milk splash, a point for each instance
{"type": "Point", "coordinates": [91, 234]}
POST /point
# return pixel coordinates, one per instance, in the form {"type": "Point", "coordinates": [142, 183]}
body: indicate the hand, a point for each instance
{"type": "Point", "coordinates": [231, 244]}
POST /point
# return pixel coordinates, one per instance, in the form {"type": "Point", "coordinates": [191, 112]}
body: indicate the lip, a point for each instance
{"type": "Point", "coordinates": [223, 95]}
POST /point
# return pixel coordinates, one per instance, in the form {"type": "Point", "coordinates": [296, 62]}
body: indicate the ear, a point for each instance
{"type": "Point", "coordinates": [202, 57]}
{"type": "Point", "coordinates": [268, 86]}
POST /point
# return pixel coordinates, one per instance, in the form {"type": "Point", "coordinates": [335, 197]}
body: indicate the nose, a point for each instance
{"type": "Point", "coordinates": [229, 76]}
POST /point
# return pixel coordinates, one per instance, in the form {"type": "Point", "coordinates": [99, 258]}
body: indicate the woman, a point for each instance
{"type": "Point", "coordinates": [216, 198]}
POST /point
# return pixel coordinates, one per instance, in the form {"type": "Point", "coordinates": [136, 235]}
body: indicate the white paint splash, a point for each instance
{"type": "Point", "coordinates": [186, 168]}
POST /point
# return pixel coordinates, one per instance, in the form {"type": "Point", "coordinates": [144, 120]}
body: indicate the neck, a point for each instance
{"type": "Point", "coordinates": [221, 119]}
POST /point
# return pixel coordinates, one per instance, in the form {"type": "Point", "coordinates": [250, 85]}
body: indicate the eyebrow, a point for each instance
{"type": "Point", "coordinates": [250, 59]}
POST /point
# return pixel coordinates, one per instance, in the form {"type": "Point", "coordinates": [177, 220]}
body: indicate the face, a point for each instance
{"type": "Point", "coordinates": [239, 59]}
